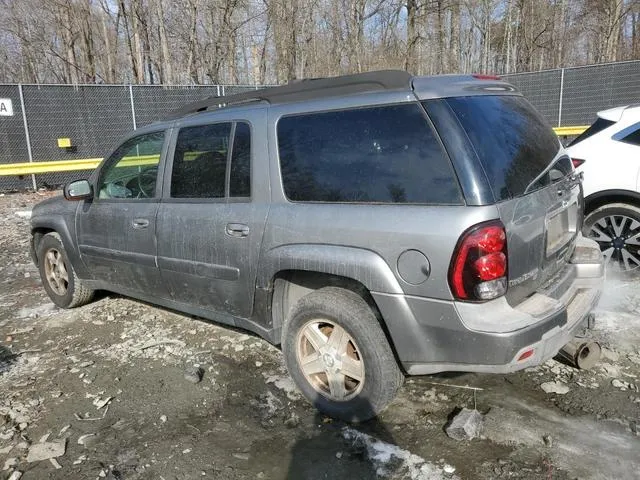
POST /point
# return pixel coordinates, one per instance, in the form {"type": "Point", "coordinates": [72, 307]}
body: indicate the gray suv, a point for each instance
{"type": "Point", "coordinates": [372, 225]}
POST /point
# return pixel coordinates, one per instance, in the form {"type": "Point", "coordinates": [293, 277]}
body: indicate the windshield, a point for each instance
{"type": "Point", "coordinates": [513, 142]}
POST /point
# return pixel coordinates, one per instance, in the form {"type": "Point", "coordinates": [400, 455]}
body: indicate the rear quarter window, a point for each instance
{"type": "Point", "coordinates": [385, 154]}
{"type": "Point", "coordinates": [599, 125]}
{"type": "Point", "coordinates": [512, 140]}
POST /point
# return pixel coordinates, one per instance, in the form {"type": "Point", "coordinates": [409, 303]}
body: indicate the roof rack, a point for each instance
{"type": "Point", "coordinates": [307, 89]}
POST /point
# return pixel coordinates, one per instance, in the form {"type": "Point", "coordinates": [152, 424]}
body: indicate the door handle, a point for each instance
{"type": "Point", "coordinates": [237, 230]}
{"type": "Point", "coordinates": [140, 223]}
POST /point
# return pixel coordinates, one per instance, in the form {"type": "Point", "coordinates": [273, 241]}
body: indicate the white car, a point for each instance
{"type": "Point", "coordinates": [608, 153]}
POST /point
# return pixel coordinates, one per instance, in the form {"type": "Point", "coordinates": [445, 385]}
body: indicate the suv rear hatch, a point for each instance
{"type": "Point", "coordinates": [533, 185]}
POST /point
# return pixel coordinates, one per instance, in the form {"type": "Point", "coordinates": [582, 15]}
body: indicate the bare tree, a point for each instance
{"type": "Point", "coordinates": [273, 41]}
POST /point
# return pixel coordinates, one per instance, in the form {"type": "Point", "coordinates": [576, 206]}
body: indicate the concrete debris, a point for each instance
{"type": "Point", "coordinates": [466, 425]}
{"type": "Point", "coordinates": [55, 463]}
{"type": "Point", "coordinates": [80, 459]}
{"type": "Point", "coordinates": [241, 456]}
{"type": "Point", "coordinates": [15, 475]}
{"type": "Point", "coordinates": [194, 374]}
{"type": "Point", "coordinates": [5, 450]}
{"type": "Point", "coordinates": [610, 355]}
{"type": "Point", "coordinates": [23, 214]}
{"type": "Point", "coordinates": [87, 439]}
{"type": "Point", "coordinates": [548, 440]}
{"type": "Point", "coordinates": [44, 438]}
{"type": "Point", "coordinates": [163, 418]}
{"type": "Point", "coordinates": [610, 371]}
{"type": "Point", "coordinates": [449, 469]}
{"type": "Point", "coordinates": [292, 421]}
{"type": "Point", "coordinates": [46, 450]}
{"type": "Point", "coordinates": [623, 385]}
{"type": "Point", "coordinates": [63, 430]}
{"type": "Point", "coordinates": [555, 387]}
{"type": "Point", "coordinates": [10, 463]}
{"type": "Point", "coordinates": [100, 403]}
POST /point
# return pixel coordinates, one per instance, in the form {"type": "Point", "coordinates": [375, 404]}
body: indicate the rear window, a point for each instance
{"type": "Point", "coordinates": [385, 154]}
{"type": "Point", "coordinates": [512, 140]}
{"type": "Point", "coordinates": [599, 125]}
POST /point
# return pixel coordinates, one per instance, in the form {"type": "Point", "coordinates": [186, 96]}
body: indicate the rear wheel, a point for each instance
{"type": "Point", "coordinates": [616, 228]}
{"type": "Point", "coordinates": [60, 281]}
{"type": "Point", "coordinates": [339, 356]}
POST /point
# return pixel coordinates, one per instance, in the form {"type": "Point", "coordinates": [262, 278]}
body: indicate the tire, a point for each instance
{"type": "Point", "coordinates": [59, 278]}
{"type": "Point", "coordinates": [616, 228]}
{"type": "Point", "coordinates": [365, 353]}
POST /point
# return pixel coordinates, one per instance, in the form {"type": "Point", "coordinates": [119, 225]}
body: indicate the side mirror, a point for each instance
{"type": "Point", "coordinates": [78, 190]}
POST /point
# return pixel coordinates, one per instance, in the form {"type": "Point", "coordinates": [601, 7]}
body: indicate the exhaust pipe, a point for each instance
{"type": "Point", "coordinates": [581, 353]}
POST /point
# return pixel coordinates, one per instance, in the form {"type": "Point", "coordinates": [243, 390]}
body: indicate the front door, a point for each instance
{"type": "Point", "coordinates": [116, 229]}
{"type": "Point", "coordinates": [209, 226]}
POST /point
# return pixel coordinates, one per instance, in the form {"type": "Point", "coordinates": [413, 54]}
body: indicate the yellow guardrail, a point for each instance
{"type": "Point", "coordinates": [570, 131]}
{"type": "Point", "coordinates": [28, 168]}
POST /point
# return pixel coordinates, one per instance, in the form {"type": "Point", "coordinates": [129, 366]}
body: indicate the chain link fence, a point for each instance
{"type": "Point", "coordinates": [94, 117]}
{"type": "Point", "coordinates": [573, 96]}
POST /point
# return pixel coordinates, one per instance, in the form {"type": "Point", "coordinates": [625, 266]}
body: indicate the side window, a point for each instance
{"type": "Point", "coordinates": [132, 170]}
{"type": "Point", "coordinates": [240, 176]}
{"type": "Point", "coordinates": [633, 138]}
{"type": "Point", "coordinates": [386, 154]}
{"type": "Point", "coordinates": [200, 161]}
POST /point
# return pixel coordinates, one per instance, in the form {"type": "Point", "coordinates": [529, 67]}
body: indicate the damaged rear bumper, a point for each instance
{"type": "Point", "coordinates": [495, 337]}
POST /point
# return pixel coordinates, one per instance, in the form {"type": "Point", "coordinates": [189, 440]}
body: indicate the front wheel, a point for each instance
{"type": "Point", "coordinates": [339, 356]}
{"type": "Point", "coordinates": [60, 281]}
{"type": "Point", "coordinates": [616, 228]}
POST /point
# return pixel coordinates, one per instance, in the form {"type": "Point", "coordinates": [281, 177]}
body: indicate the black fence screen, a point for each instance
{"type": "Point", "coordinates": [95, 117]}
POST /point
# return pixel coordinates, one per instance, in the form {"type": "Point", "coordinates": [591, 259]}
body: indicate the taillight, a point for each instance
{"type": "Point", "coordinates": [577, 162]}
{"type": "Point", "coordinates": [479, 266]}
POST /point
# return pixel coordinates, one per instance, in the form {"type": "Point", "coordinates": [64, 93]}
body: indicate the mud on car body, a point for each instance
{"type": "Point", "coordinates": [373, 225]}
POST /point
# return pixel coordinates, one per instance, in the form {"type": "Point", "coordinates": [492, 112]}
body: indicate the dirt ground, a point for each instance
{"type": "Point", "coordinates": [105, 384]}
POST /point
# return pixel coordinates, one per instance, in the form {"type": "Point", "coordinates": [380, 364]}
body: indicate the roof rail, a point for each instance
{"type": "Point", "coordinates": [306, 89]}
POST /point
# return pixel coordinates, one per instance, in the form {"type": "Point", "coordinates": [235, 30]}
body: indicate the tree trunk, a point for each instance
{"type": "Point", "coordinates": [410, 61]}
{"type": "Point", "coordinates": [165, 66]}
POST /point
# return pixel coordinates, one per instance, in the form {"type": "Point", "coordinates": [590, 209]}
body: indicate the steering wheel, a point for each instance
{"type": "Point", "coordinates": [147, 182]}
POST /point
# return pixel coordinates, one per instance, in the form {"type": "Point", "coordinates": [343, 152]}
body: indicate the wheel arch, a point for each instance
{"type": "Point", "coordinates": [604, 197]}
{"type": "Point", "coordinates": [289, 286]}
{"type": "Point", "coordinates": [40, 228]}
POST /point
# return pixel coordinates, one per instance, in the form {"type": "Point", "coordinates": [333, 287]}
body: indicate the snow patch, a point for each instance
{"type": "Point", "coordinates": [389, 459]}
{"type": "Point", "coordinates": [284, 383]}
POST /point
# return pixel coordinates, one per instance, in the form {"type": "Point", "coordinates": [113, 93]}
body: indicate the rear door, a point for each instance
{"type": "Point", "coordinates": [211, 219]}
{"type": "Point", "coordinates": [533, 183]}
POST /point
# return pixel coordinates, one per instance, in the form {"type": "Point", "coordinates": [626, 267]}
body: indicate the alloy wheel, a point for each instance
{"type": "Point", "coordinates": [56, 272]}
{"type": "Point", "coordinates": [330, 360]}
{"type": "Point", "coordinates": [619, 239]}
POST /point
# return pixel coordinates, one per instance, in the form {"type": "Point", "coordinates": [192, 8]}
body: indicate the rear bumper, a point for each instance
{"type": "Point", "coordinates": [435, 336]}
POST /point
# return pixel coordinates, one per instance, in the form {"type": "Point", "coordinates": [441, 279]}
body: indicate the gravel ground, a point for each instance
{"type": "Point", "coordinates": [103, 389]}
